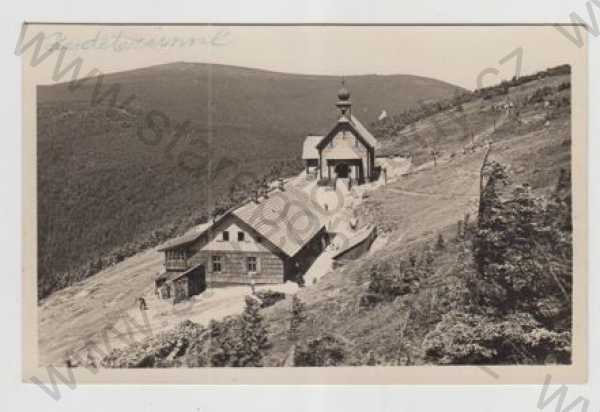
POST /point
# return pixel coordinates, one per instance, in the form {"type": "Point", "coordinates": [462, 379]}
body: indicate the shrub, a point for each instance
{"type": "Point", "coordinates": [540, 94]}
{"type": "Point", "coordinates": [427, 258]}
{"type": "Point", "coordinates": [324, 182]}
{"type": "Point", "coordinates": [467, 339]}
{"type": "Point", "coordinates": [368, 300]}
{"type": "Point", "coordinates": [297, 319]}
{"type": "Point", "coordinates": [564, 86]}
{"type": "Point", "coordinates": [163, 350]}
{"type": "Point", "coordinates": [412, 259]}
{"type": "Point", "coordinates": [326, 350]}
{"type": "Point", "coordinates": [388, 281]}
{"type": "Point", "coordinates": [224, 345]}
{"type": "Point", "coordinates": [269, 297]}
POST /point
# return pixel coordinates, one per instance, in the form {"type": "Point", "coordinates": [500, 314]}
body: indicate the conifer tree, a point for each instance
{"type": "Point", "coordinates": [298, 318]}
{"type": "Point", "coordinates": [253, 334]}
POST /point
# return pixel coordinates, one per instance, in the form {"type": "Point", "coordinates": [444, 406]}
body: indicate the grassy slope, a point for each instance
{"type": "Point", "coordinates": [103, 189]}
{"type": "Point", "coordinates": [414, 210]}
{"type": "Point", "coordinates": [449, 131]}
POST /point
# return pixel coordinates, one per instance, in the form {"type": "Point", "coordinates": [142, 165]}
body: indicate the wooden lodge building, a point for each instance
{"type": "Point", "coordinates": [346, 152]}
{"type": "Point", "coordinates": [269, 239]}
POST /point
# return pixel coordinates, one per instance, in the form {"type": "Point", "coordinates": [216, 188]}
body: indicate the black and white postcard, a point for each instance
{"type": "Point", "coordinates": [304, 204]}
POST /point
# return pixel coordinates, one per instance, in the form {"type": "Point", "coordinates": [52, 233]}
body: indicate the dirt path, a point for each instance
{"type": "Point", "coordinates": [479, 136]}
{"type": "Point", "coordinates": [71, 317]}
{"type": "Point", "coordinates": [488, 132]}
{"type": "Point", "coordinates": [442, 195]}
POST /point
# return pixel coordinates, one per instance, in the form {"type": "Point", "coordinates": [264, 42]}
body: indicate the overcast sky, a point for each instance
{"type": "Point", "coordinates": [457, 55]}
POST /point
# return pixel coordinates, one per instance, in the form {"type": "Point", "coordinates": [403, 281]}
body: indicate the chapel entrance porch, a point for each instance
{"type": "Point", "coordinates": [350, 169]}
{"type": "Point", "coordinates": [342, 170]}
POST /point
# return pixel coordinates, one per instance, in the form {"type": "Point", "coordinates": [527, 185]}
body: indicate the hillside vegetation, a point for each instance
{"type": "Point", "coordinates": [447, 126]}
{"type": "Point", "coordinates": [476, 271]}
{"type": "Point", "coordinates": [118, 174]}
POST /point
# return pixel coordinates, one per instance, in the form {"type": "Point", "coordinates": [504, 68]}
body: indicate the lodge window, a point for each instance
{"type": "Point", "coordinates": [225, 236]}
{"type": "Point", "coordinates": [240, 236]}
{"type": "Point", "coordinates": [251, 261]}
{"type": "Point", "coordinates": [216, 263]}
{"type": "Point", "coordinates": [176, 259]}
{"type": "Point", "coordinates": [176, 254]}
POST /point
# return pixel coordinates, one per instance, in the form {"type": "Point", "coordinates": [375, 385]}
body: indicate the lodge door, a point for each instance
{"type": "Point", "coordinates": [197, 281]}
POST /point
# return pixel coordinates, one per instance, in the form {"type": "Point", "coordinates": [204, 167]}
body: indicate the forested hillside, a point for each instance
{"type": "Point", "coordinates": [177, 141]}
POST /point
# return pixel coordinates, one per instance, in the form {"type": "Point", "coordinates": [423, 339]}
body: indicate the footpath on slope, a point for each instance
{"type": "Point", "coordinates": [484, 134]}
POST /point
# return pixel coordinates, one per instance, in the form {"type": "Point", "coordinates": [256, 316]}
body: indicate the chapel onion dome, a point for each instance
{"type": "Point", "coordinates": [343, 94]}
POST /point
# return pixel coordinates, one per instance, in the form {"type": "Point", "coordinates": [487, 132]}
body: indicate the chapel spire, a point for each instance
{"type": "Point", "coordinates": [344, 103]}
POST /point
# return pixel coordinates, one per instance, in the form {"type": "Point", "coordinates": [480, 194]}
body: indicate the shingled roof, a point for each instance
{"type": "Point", "coordinates": [309, 148]}
{"type": "Point", "coordinates": [364, 132]}
{"type": "Point", "coordinates": [186, 238]}
{"type": "Point", "coordinates": [170, 276]}
{"type": "Point", "coordinates": [287, 218]}
{"type": "Point", "coordinates": [354, 125]}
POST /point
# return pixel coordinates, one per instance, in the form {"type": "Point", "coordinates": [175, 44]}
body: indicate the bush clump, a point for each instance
{"type": "Point", "coordinates": [471, 339]}
{"type": "Point", "coordinates": [324, 182]}
{"type": "Point", "coordinates": [163, 350]}
{"type": "Point", "coordinates": [326, 350]}
{"type": "Point", "coordinates": [388, 280]}
{"type": "Point", "coordinates": [241, 341]}
{"type": "Point", "coordinates": [269, 297]}
{"type": "Point", "coordinates": [517, 280]}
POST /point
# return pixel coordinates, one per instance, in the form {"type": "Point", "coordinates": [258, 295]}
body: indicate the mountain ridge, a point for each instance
{"type": "Point", "coordinates": [186, 64]}
{"type": "Point", "coordinates": [392, 92]}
